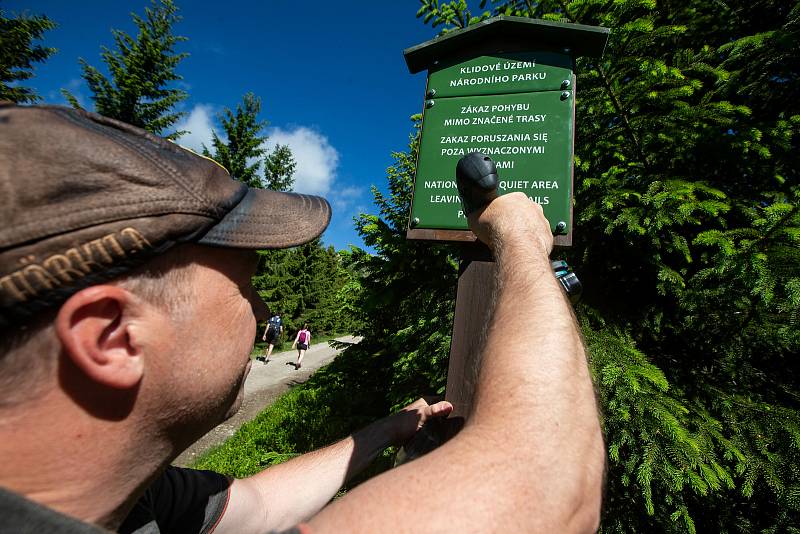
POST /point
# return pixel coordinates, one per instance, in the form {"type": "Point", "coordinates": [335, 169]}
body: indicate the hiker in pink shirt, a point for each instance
{"type": "Point", "coordinates": [302, 341]}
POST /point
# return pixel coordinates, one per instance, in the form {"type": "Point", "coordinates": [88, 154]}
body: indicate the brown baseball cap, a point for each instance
{"type": "Point", "coordinates": [86, 198]}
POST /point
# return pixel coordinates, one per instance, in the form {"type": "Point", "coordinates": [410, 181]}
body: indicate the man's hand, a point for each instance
{"type": "Point", "coordinates": [264, 338]}
{"type": "Point", "coordinates": [510, 217]}
{"type": "Point", "coordinates": [293, 491]}
{"type": "Point", "coordinates": [406, 422]}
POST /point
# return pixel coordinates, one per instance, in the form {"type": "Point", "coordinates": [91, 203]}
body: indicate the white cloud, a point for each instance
{"type": "Point", "coordinates": [350, 193]}
{"type": "Point", "coordinates": [317, 160]}
{"type": "Point", "coordinates": [343, 198]}
{"type": "Point", "coordinates": [199, 123]}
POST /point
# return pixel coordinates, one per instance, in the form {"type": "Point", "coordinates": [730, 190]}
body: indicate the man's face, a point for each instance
{"type": "Point", "coordinates": [212, 339]}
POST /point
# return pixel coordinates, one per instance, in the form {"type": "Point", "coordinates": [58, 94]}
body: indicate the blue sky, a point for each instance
{"type": "Point", "coordinates": [331, 76]}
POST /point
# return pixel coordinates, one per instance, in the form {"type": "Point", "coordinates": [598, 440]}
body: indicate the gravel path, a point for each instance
{"type": "Point", "coordinates": [264, 384]}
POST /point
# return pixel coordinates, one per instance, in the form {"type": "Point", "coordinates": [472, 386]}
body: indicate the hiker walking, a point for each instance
{"type": "Point", "coordinates": [302, 341]}
{"type": "Point", "coordinates": [272, 334]}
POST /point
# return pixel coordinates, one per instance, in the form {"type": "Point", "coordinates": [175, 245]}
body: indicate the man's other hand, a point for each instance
{"type": "Point", "coordinates": [409, 420]}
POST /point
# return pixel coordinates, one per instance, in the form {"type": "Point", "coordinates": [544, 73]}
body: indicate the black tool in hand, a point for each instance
{"type": "Point", "coordinates": [477, 181]}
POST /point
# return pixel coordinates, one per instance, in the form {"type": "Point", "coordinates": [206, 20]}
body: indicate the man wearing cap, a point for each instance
{"type": "Point", "coordinates": [117, 246]}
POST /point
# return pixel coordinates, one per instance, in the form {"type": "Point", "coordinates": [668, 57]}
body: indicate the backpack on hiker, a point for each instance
{"type": "Point", "coordinates": [274, 327]}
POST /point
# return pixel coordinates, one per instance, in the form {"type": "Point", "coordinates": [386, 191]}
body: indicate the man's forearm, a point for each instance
{"type": "Point", "coordinates": [534, 364]}
{"type": "Point", "coordinates": [533, 348]}
{"type": "Point", "coordinates": [291, 492]}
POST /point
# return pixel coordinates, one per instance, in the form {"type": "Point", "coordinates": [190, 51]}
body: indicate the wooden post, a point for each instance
{"type": "Point", "coordinates": [474, 299]}
{"type": "Point", "coordinates": [473, 311]}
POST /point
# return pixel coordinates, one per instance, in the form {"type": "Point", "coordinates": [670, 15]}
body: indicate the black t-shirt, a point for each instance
{"type": "Point", "coordinates": [180, 500]}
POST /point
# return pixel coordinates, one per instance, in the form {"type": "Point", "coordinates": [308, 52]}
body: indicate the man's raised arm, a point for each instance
{"type": "Point", "coordinates": [531, 455]}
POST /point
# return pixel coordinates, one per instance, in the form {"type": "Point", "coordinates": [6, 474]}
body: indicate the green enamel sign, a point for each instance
{"type": "Point", "coordinates": [516, 108]}
{"type": "Point", "coordinates": [504, 86]}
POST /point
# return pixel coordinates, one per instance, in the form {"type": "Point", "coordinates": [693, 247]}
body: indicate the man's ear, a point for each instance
{"type": "Point", "coordinates": [94, 326]}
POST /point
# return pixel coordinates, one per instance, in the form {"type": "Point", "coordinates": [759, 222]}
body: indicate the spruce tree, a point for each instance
{"type": "Point", "coordinates": [408, 290]}
{"type": "Point", "coordinates": [18, 54]}
{"type": "Point", "coordinates": [274, 281]}
{"type": "Point", "coordinates": [279, 167]}
{"type": "Point", "coordinates": [140, 90]}
{"type": "Point", "coordinates": [240, 153]}
{"type": "Point", "coordinates": [327, 279]}
{"type": "Point", "coordinates": [346, 308]}
{"type": "Point", "coordinates": [310, 283]}
{"type": "Point", "coordinates": [688, 244]}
